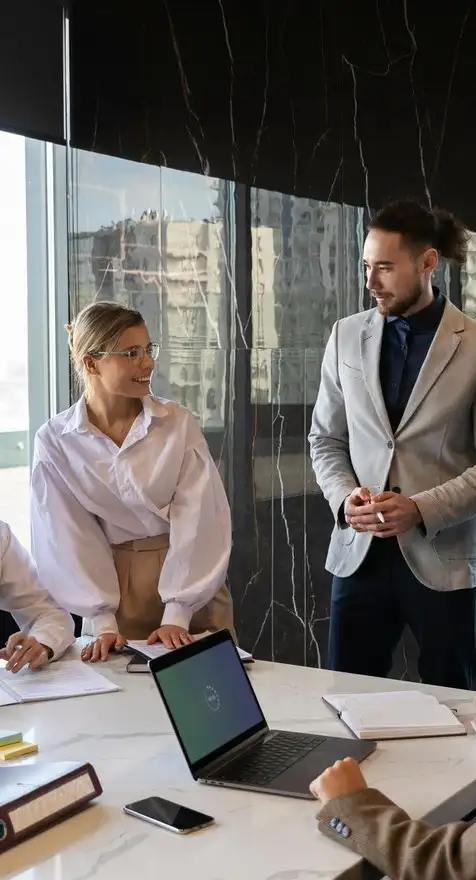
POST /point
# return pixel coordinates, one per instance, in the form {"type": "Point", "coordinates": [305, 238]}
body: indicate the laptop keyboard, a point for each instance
{"type": "Point", "coordinates": [268, 759]}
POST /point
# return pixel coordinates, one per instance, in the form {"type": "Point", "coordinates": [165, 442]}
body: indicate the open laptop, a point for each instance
{"type": "Point", "coordinates": [222, 730]}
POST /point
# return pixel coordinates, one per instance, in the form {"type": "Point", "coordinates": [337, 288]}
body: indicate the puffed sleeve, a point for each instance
{"type": "Point", "coordinates": [200, 534]}
{"type": "Point", "coordinates": [72, 553]}
{"type": "Point", "coordinates": [30, 605]}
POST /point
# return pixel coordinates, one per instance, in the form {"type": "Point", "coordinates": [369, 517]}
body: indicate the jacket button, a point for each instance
{"type": "Point", "coordinates": [334, 822]}
{"type": "Point", "coordinates": [339, 827]}
{"type": "Point", "coordinates": [345, 832]}
{"type": "Point", "coordinates": [396, 489]}
{"type": "Point", "coordinates": [390, 444]}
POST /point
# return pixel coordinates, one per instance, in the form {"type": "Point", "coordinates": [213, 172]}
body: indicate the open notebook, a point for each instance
{"type": "Point", "coordinates": [141, 647]}
{"type": "Point", "coordinates": [394, 715]}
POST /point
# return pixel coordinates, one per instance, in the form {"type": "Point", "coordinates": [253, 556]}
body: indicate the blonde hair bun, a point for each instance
{"type": "Point", "coordinates": [69, 330]}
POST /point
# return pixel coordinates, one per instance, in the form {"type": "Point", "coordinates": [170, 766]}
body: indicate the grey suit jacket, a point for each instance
{"type": "Point", "coordinates": [372, 825]}
{"type": "Point", "coordinates": [430, 458]}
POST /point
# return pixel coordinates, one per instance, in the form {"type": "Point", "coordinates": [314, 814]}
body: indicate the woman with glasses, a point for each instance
{"type": "Point", "coordinates": [130, 522]}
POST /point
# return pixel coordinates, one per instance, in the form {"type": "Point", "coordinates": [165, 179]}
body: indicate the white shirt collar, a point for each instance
{"type": "Point", "coordinates": [154, 408]}
{"type": "Point", "coordinates": [78, 419]}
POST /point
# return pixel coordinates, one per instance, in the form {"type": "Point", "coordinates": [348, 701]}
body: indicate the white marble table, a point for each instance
{"type": "Point", "coordinates": [127, 737]}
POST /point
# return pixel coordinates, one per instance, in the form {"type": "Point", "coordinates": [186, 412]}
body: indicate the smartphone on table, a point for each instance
{"type": "Point", "coordinates": [168, 815]}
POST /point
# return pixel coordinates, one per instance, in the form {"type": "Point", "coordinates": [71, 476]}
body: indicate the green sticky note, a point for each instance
{"type": "Point", "coordinates": [8, 737]}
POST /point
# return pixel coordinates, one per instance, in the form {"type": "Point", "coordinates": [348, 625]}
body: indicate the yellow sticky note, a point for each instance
{"type": "Point", "coordinates": [17, 750]}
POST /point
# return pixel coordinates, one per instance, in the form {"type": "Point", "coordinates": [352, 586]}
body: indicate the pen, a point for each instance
{"type": "Point", "coordinates": [375, 490]}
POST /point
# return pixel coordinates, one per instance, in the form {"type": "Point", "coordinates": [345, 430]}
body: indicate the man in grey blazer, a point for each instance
{"type": "Point", "coordinates": [369, 823]}
{"type": "Point", "coordinates": [394, 452]}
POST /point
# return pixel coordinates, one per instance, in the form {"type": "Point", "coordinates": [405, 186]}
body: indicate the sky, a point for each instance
{"type": "Point", "coordinates": [109, 189]}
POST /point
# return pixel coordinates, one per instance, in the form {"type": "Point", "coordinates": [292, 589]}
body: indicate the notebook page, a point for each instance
{"type": "Point", "coordinates": [402, 717]}
{"type": "Point", "coordinates": [361, 702]}
{"type": "Point", "coordinates": [6, 698]}
{"type": "Point", "coordinates": [150, 651]}
{"type": "Point", "coordinates": [70, 678]}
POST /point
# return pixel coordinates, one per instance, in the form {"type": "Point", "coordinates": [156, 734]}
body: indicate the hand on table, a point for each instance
{"type": "Point", "coordinates": [399, 512]}
{"type": "Point", "coordinates": [100, 648]}
{"type": "Point", "coordinates": [170, 636]}
{"type": "Point", "coordinates": [22, 649]}
{"type": "Point", "coordinates": [344, 777]}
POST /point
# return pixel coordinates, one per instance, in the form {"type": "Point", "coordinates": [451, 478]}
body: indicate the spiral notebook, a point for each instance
{"type": "Point", "coordinates": [395, 715]}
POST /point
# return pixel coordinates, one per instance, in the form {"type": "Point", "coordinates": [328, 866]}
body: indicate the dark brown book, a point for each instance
{"type": "Point", "coordinates": [36, 796]}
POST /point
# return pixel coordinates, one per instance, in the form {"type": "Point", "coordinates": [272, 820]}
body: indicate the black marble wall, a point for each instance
{"type": "Point", "coordinates": [352, 101]}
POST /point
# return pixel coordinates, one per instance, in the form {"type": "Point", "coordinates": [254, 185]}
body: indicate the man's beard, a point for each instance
{"type": "Point", "coordinates": [395, 308]}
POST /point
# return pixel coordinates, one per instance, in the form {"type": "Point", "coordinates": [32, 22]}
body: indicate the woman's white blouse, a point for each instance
{"type": "Point", "coordinates": [87, 494]}
{"type": "Point", "coordinates": [22, 595]}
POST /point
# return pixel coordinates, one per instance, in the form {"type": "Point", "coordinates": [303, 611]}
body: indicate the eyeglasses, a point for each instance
{"type": "Point", "coordinates": [136, 353]}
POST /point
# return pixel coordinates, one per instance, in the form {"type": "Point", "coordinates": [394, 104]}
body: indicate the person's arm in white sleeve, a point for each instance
{"type": "Point", "coordinates": [200, 534]}
{"type": "Point", "coordinates": [72, 552]}
{"type": "Point", "coordinates": [32, 608]}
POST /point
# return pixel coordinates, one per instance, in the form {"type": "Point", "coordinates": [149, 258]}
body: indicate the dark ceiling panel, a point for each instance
{"type": "Point", "coordinates": [31, 69]}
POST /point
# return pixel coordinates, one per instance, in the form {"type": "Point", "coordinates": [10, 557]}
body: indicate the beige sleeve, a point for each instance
{"type": "Point", "coordinates": [405, 849]}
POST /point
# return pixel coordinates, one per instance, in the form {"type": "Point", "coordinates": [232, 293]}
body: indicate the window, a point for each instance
{"type": "Point", "coordinates": [305, 252]}
{"type": "Point", "coordinates": [14, 416]}
{"type": "Point", "coordinates": [34, 373]}
{"type": "Point", "coordinates": [157, 240]}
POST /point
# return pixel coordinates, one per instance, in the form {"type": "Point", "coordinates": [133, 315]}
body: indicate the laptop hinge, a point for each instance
{"type": "Point", "coordinates": [233, 753]}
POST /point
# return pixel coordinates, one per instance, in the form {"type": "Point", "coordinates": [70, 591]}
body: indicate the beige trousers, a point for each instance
{"type": "Point", "coordinates": [138, 565]}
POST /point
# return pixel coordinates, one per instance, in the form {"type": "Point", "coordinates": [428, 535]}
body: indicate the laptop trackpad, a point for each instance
{"type": "Point", "coordinates": [297, 778]}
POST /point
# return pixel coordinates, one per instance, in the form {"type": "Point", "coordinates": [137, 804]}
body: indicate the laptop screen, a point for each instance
{"type": "Point", "coordinates": [209, 700]}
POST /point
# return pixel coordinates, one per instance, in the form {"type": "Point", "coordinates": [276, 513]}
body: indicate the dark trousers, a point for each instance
{"type": "Point", "coordinates": [369, 611]}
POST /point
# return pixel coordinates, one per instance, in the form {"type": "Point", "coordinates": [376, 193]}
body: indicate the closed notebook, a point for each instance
{"type": "Point", "coordinates": [395, 715]}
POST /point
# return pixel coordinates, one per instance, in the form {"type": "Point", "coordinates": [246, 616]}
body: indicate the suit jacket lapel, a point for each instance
{"type": "Point", "coordinates": [446, 341]}
{"type": "Point", "coordinates": [370, 345]}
